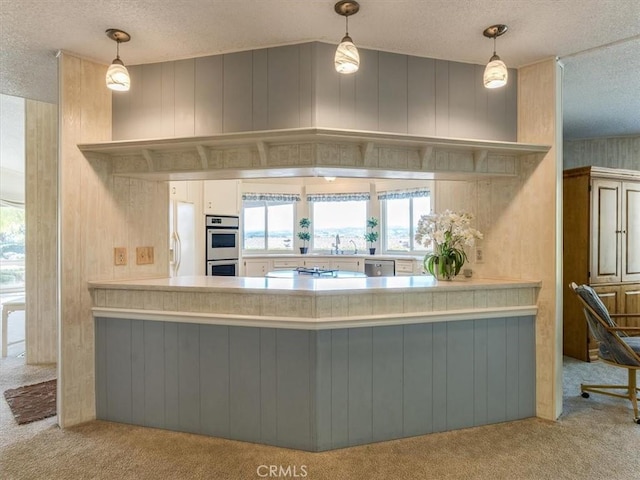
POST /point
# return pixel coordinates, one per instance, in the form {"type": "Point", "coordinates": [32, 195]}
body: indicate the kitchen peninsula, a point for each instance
{"type": "Point", "coordinates": [312, 363]}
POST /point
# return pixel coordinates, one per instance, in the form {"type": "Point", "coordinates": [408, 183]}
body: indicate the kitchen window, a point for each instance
{"type": "Point", "coordinates": [344, 215]}
{"type": "Point", "coordinates": [401, 210]}
{"type": "Point", "coordinates": [268, 221]}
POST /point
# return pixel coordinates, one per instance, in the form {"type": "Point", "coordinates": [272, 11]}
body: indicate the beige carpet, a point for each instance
{"type": "Point", "coordinates": [594, 439]}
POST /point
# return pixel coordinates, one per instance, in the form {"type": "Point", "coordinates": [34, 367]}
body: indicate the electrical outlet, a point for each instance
{"type": "Point", "coordinates": [479, 255]}
{"type": "Point", "coordinates": [120, 256]}
{"type": "Point", "coordinates": [144, 255]}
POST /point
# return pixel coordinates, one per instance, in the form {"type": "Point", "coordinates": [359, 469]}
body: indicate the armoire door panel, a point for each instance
{"type": "Point", "coordinates": [631, 232]}
{"type": "Point", "coordinates": [606, 231]}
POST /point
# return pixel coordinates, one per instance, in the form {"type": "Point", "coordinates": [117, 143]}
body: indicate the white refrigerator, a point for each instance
{"type": "Point", "coordinates": [182, 238]}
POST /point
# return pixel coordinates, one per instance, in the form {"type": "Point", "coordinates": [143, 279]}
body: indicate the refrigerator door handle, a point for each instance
{"type": "Point", "coordinates": [173, 253]}
{"type": "Point", "coordinates": [178, 250]}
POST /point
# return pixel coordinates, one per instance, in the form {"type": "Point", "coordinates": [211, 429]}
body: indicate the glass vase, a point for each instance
{"type": "Point", "coordinates": [445, 268]}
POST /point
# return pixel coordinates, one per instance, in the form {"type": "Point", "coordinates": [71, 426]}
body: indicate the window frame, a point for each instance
{"type": "Point", "coordinates": [384, 230]}
{"type": "Point", "coordinates": [266, 250]}
{"type": "Point", "coordinates": [19, 263]}
{"type": "Point", "coordinates": [348, 246]}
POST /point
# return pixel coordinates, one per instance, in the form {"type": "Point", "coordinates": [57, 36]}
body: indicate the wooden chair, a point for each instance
{"type": "Point", "coordinates": [617, 346]}
{"type": "Point", "coordinates": [8, 308]}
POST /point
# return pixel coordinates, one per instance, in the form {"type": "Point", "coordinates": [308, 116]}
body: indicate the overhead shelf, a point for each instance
{"type": "Point", "coordinates": [310, 152]}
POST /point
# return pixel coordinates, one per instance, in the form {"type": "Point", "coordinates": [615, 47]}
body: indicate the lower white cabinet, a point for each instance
{"type": "Point", "coordinates": [286, 264]}
{"type": "Point", "coordinates": [255, 267]}
{"type": "Point", "coordinates": [405, 268]}
{"type": "Point", "coordinates": [348, 264]}
{"type": "Point", "coordinates": [323, 263]}
{"type": "Point", "coordinates": [260, 266]}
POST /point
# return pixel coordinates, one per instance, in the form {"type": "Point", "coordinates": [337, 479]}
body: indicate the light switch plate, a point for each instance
{"type": "Point", "coordinates": [120, 256]}
{"type": "Point", "coordinates": [144, 255]}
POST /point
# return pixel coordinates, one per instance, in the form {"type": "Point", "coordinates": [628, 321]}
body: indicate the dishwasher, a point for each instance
{"type": "Point", "coordinates": [379, 268]}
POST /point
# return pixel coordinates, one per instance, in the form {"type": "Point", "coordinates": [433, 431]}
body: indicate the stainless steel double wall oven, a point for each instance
{"type": "Point", "coordinates": [223, 245]}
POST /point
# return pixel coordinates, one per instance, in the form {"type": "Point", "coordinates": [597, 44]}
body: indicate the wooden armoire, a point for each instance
{"type": "Point", "coordinates": [601, 247]}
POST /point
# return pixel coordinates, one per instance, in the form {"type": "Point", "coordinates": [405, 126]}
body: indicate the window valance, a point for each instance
{"type": "Point", "coordinates": [272, 197]}
{"type": "Point", "coordinates": [338, 197]}
{"type": "Point", "coordinates": [406, 193]}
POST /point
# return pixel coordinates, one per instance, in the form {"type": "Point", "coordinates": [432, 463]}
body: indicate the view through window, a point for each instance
{"type": "Point", "coordinates": [268, 225]}
{"type": "Point", "coordinates": [348, 219]}
{"type": "Point", "coordinates": [401, 217]}
{"type": "Point", "coordinates": [12, 248]}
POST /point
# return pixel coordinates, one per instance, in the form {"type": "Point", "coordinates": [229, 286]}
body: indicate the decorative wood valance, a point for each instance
{"type": "Point", "coordinates": [310, 152]}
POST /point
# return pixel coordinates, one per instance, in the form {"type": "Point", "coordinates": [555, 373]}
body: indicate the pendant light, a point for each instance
{"type": "Point", "coordinates": [347, 59]}
{"type": "Point", "coordinates": [117, 74]}
{"type": "Point", "coordinates": [495, 74]}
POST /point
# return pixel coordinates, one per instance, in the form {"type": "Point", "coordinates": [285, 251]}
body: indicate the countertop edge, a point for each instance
{"type": "Point", "coordinates": [303, 323]}
{"type": "Point", "coordinates": [307, 286]}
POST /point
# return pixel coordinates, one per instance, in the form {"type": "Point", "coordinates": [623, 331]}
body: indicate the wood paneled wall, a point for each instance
{"type": "Point", "coordinates": [612, 152]}
{"type": "Point", "coordinates": [537, 211]}
{"type": "Point", "coordinates": [296, 86]}
{"type": "Point", "coordinates": [97, 213]}
{"type": "Point", "coordinates": [315, 390]}
{"type": "Point", "coordinates": [521, 221]}
{"type": "Point", "coordinates": [41, 192]}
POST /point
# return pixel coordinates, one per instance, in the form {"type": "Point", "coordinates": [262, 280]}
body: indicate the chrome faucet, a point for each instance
{"type": "Point", "coordinates": [337, 244]}
{"type": "Point", "coordinates": [355, 247]}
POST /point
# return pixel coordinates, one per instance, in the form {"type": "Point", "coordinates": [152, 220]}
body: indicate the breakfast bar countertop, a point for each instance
{"type": "Point", "coordinates": [310, 284]}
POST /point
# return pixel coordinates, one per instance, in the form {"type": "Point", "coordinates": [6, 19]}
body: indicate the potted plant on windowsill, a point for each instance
{"type": "Point", "coordinates": [371, 236]}
{"type": "Point", "coordinates": [304, 234]}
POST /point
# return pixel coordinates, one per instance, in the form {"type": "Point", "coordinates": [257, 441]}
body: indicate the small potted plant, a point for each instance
{"type": "Point", "coordinates": [371, 236]}
{"type": "Point", "coordinates": [304, 234]}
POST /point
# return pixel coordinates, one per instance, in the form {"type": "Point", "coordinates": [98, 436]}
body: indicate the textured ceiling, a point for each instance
{"type": "Point", "coordinates": [31, 31]}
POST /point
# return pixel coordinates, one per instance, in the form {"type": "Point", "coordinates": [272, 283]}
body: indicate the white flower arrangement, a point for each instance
{"type": "Point", "coordinates": [447, 233]}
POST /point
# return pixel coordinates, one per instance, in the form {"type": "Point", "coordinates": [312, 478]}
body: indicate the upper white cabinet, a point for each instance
{"type": "Point", "coordinates": [186, 191]}
{"type": "Point", "coordinates": [178, 191]}
{"type": "Point", "coordinates": [222, 197]}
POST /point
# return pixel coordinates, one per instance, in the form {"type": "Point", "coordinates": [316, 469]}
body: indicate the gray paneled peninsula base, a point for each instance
{"type": "Point", "coordinates": [314, 364]}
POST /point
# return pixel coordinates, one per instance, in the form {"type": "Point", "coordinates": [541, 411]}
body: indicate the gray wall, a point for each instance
{"type": "Point", "coordinates": [315, 390]}
{"type": "Point", "coordinates": [612, 152]}
{"type": "Point", "coordinates": [296, 86]}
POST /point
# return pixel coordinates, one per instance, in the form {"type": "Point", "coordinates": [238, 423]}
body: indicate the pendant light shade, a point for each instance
{"type": "Point", "coordinates": [495, 73]}
{"type": "Point", "coordinates": [347, 58]}
{"type": "Point", "coordinates": [117, 77]}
